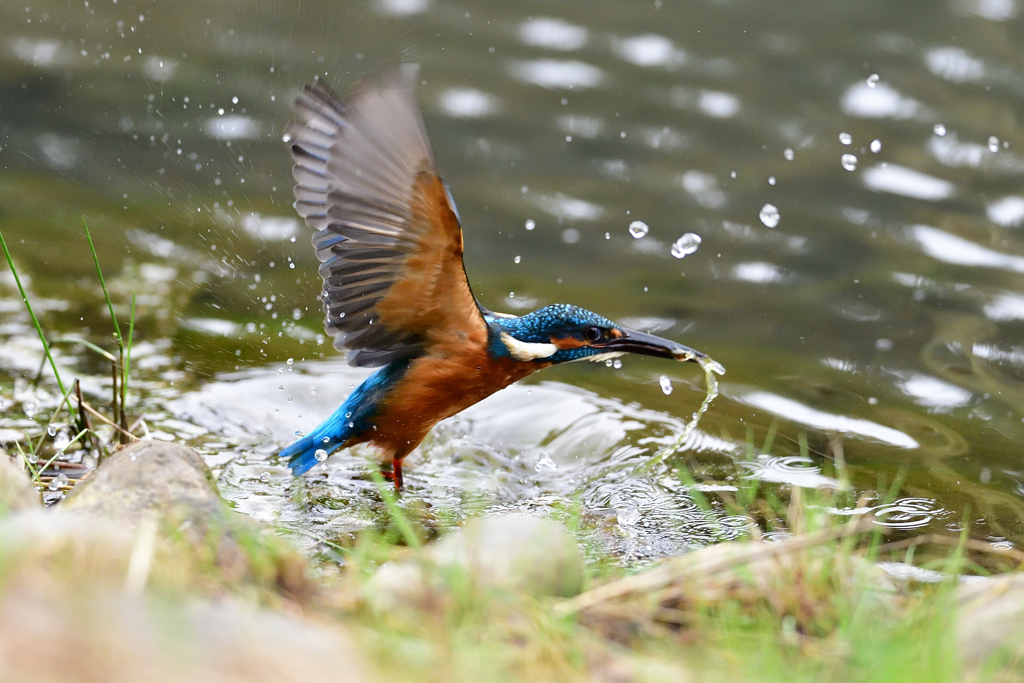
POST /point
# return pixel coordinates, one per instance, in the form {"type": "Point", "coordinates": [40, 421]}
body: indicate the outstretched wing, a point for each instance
{"type": "Point", "coordinates": [387, 235]}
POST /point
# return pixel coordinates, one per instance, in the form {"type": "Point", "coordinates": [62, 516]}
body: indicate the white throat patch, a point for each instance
{"type": "Point", "coordinates": [521, 350]}
{"type": "Point", "coordinates": [606, 356]}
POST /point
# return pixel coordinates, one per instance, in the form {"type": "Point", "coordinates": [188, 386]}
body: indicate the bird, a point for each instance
{"type": "Point", "coordinates": [395, 294]}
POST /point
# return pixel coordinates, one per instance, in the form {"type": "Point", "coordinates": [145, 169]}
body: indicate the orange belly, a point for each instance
{"type": "Point", "coordinates": [436, 387]}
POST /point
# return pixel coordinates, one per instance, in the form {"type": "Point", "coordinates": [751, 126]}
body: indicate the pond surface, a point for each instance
{"type": "Point", "coordinates": [854, 171]}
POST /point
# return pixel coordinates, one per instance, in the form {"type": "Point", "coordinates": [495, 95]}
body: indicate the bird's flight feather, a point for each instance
{"type": "Point", "coordinates": [388, 238]}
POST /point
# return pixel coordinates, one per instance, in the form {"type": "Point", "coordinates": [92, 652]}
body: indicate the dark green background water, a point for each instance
{"type": "Point", "coordinates": [883, 313]}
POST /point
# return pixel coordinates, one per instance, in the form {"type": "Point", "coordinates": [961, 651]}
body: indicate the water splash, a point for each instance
{"type": "Point", "coordinates": [769, 215]}
{"type": "Point", "coordinates": [711, 368]}
{"type": "Point", "coordinates": [686, 245]}
{"type": "Point", "coordinates": [638, 229]}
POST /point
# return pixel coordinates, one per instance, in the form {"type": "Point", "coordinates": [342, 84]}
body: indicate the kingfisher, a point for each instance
{"type": "Point", "coordinates": [395, 292]}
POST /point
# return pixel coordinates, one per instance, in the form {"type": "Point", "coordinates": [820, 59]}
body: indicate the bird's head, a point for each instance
{"type": "Point", "coordinates": [561, 333]}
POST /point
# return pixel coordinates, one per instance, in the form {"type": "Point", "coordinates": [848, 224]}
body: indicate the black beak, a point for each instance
{"type": "Point", "coordinates": [632, 341]}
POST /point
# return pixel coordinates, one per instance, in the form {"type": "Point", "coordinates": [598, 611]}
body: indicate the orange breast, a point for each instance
{"type": "Point", "coordinates": [436, 386]}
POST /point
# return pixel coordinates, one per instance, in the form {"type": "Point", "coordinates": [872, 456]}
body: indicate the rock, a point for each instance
{"type": "Point", "coordinates": [990, 620]}
{"type": "Point", "coordinates": [171, 483]}
{"type": "Point", "coordinates": [523, 552]}
{"type": "Point", "coordinates": [16, 490]}
{"type": "Point", "coordinates": [58, 638]}
{"type": "Point", "coordinates": [149, 478]}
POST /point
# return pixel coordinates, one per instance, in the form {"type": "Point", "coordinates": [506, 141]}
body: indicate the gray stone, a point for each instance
{"type": "Point", "coordinates": [172, 484]}
{"type": "Point", "coordinates": [990, 620]}
{"type": "Point", "coordinates": [16, 490]}
{"type": "Point", "coordinates": [149, 478]}
{"type": "Point", "coordinates": [523, 552]}
{"type": "Point", "coordinates": [106, 636]}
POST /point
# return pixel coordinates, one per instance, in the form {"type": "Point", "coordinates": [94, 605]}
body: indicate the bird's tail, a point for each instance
{"type": "Point", "coordinates": [328, 436]}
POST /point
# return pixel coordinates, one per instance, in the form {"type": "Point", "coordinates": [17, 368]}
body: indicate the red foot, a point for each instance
{"type": "Point", "coordinates": [394, 474]}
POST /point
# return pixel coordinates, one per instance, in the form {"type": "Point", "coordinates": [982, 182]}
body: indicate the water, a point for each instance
{"type": "Point", "coordinates": [638, 229]}
{"type": "Point", "coordinates": [769, 215]}
{"type": "Point", "coordinates": [882, 317]}
{"type": "Point", "coordinates": [686, 245]}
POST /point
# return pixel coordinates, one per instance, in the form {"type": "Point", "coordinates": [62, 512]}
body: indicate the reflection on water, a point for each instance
{"type": "Point", "coordinates": [857, 206]}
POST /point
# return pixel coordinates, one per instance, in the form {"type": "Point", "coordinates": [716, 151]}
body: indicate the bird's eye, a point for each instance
{"type": "Point", "coordinates": [593, 334]}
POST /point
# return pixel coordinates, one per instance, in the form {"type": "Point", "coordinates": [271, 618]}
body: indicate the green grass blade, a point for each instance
{"type": "Point", "coordinates": [128, 351]}
{"type": "Point", "coordinates": [397, 516]}
{"type": "Point", "coordinates": [39, 472]}
{"type": "Point", "coordinates": [32, 313]}
{"type": "Point", "coordinates": [53, 418]}
{"type": "Point", "coordinates": [769, 438]}
{"type": "Point", "coordinates": [103, 283]}
{"type": "Point", "coordinates": [87, 344]}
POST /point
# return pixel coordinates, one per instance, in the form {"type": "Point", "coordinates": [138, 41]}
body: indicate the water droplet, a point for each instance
{"type": "Point", "coordinates": [61, 441]}
{"type": "Point", "coordinates": [58, 481]}
{"type": "Point", "coordinates": [686, 245]}
{"type": "Point", "coordinates": [52, 430]}
{"type": "Point", "coordinates": [299, 433]}
{"type": "Point", "coordinates": [769, 215]}
{"type": "Point", "coordinates": [666, 384]}
{"type": "Point", "coordinates": [617, 364]}
{"type": "Point", "coordinates": [30, 407]}
{"type": "Point", "coordinates": [939, 129]}
{"type": "Point", "coordinates": [993, 144]}
{"type": "Point", "coordinates": [289, 399]}
{"type": "Point", "coordinates": [607, 235]}
{"type": "Point", "coordinates": [788, 154]}
{"type": "Point", "coordinates": [876, 146]}
{"type": "Point", "coordinates": [280, 387]}
{"type": "Point", "coordinates": [608, 363]}
{"type": "Point", "coordinates": [530, 224]}
{"type": "Point", "coordinates": [265, 477]}
{"type": "Point", "coordinates": [32, 458]}
{"type": "Point", "coordinates": [845, 138]}
{"type": "Point", "coordinates": [638, 229]}
{"type": "Point", "coordinates": [849, 162]}
{"type": "Point", "coordinates": [771, 180]}
{"type": "Point", "coordinates": [292, 239]}
{"type": "Point", "coordinates": [290, 361]}
{"type": "Point", "coordinates": [872, 80]}
{"type": "Point", "coordinates": [327, 439]}
{"type": "Point", "coordinates": [320, 455]}
{"type": "Point", "coordinates": [517, 259]}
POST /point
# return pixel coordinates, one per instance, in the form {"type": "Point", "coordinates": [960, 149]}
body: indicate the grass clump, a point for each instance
{"type": "Point", "coordinates": [80, 412]}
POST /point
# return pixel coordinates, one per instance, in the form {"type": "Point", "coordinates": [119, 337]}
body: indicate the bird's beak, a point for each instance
{"type": "Point", "coordinates": [632, 341]}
